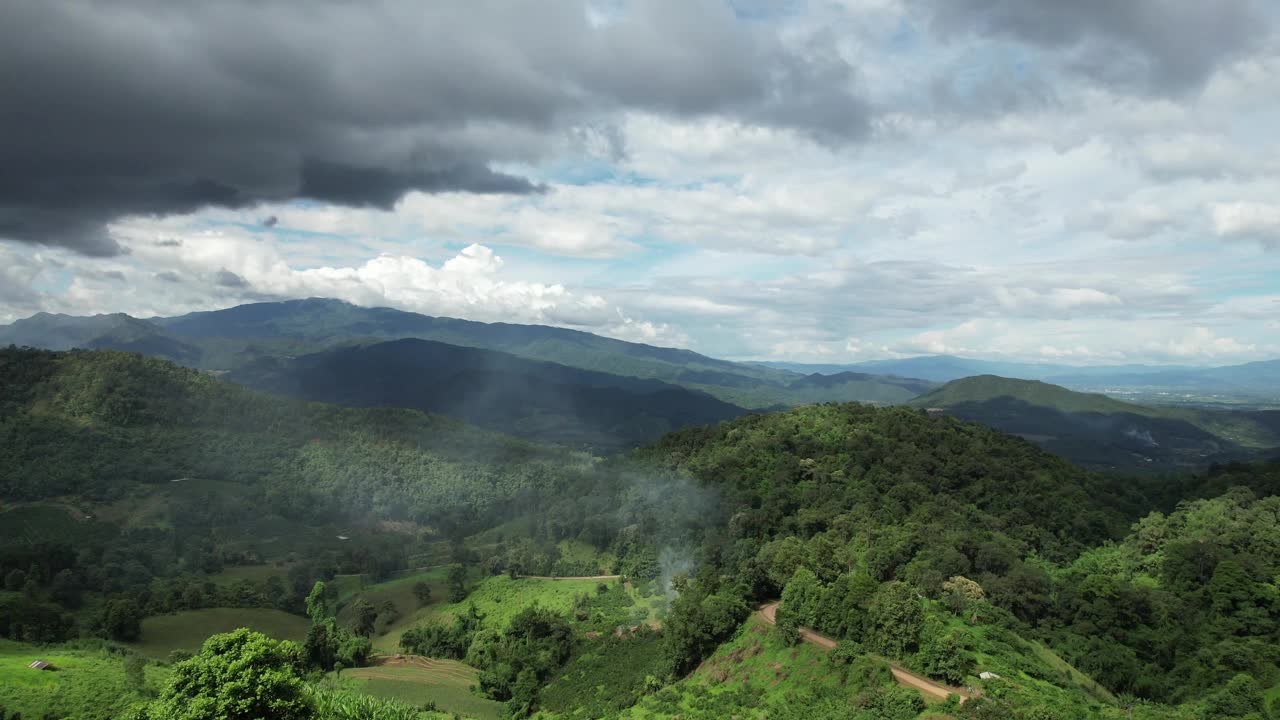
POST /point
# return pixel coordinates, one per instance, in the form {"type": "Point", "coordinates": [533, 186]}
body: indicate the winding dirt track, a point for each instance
{"type": "Point", "coordinates": [902, 675]}
{"type": "Point", "coordinates": [769, 612]}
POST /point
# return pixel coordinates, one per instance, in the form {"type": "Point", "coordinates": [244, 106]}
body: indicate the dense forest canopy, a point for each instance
{"type": "Point", "coordinates": [944, 546]}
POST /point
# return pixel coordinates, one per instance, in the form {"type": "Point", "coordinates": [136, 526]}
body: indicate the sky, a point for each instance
{"type": "Point", "coordinates": [1086, 182]}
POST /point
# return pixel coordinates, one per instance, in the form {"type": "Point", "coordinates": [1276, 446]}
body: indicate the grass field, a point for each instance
{"type": "Point", "coordinates": [418, 681]}
{"type": "Point", "coordinates": [400, 592]}
{"type": "Point", "coordinates": [87, 684]}
{"type": "Point", "coordinates": [188, 630]}
{"type": "Point", "coordinates": [500, 598]}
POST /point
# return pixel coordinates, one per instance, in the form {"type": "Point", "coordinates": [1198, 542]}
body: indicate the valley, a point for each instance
{"type": "Point", "coordinates": [640, 360]}
{"type": "Point", "coordinates": [422, 563]}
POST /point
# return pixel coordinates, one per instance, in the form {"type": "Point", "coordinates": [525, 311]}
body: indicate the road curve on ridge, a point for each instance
{"type": "Point", "coordinates": [904, 677]}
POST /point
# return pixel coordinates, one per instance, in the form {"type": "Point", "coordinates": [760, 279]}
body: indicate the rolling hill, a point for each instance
{"type": "Point", "coordinates": [1259, 380]}
{"type": "Point", "coordinates": [945, 368]}
{"type": "Point", "coordinates": [540, 400]}
{"type": "Point", "coordinates": [1100, 431]}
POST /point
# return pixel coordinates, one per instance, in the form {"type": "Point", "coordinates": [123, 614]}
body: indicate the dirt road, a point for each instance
{"type": "Point", "coordinates": [902, 675]}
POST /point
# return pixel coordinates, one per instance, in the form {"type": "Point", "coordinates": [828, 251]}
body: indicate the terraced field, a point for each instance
{"type": "Point", "coordinates": [419, 681]}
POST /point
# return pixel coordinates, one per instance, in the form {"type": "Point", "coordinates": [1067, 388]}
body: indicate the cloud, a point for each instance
{"type": "Point", "coordinates": [472, 283]}
{"type": "Point", "coordinates": [236, 103]}
{"type": "Point", "coordinates": [1153, 46]}
{"type": "Point", "coordinates": [1124, 221]}
{"type": "Point", "coordinates": [1156, 341]}
{"type": "Point", "coordinates": [1201, 342]}
{"type": "Point", "coordinates": [1203, 157]}
{"type": "Point", "coordinates": [1248, 221]}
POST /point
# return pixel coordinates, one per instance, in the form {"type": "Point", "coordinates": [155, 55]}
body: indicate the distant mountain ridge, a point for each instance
{"type": "Point", "coordinates": [945, 368]}
{"type": "Point", "coordinates": [1100, 431]}
{"type": "Point", "coordinates": [1260, 377]}
{"type": "Point", "coordinates": [228, 339]}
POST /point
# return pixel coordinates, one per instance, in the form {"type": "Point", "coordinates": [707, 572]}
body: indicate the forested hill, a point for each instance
{"type": "Point", "coordinates": [1102, 432]}
{"type": "Point", "coordinates": [231, 338]}
{"type": "Point", "coordinates": [98, 423]}
{"type": "Point", "coordinates": [981, 388]}
{"type": "Point", "coordinates": [827, 506]}
{"type": "Point", "coordinates": [928, 496]}
{"type": "Point", "coordinates": [540, 400]}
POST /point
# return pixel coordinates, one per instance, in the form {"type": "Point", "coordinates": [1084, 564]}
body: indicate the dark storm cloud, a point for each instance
{"type": "Point", "coordinates": [365, 186]}
{"type": "Point", "coordinates": [1157, 46]}
{"type": "Point", "coordinates": [226, 278]}
{"type": "Point", "coordinates": [150, 106]}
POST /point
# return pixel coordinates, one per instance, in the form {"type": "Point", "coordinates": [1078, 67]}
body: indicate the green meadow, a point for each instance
{"type": "Point", "coordinates": [162, 634]}
{"type": "Point", "coordinates": [85, 684]}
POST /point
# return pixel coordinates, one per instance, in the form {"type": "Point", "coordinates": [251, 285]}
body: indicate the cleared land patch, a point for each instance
{"type": "Point", "coordinates": [418, 681]}
{"type": "Point", "coordinates": [500, 598]}
{"type": "Point", "coordinates": [188, 630]}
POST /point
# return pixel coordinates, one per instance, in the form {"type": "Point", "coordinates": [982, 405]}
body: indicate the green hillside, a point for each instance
{"type": "Point", "coordinates": [1100, 431]}
{"type": "Point", "coordinates": [149, 504]}
{"type": "Point", "coordinates": [981, 388]}
{"type": "Point", "coordinates": [539, 400]}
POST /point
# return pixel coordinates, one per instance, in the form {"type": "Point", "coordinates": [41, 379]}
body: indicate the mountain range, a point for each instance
{"type": "Point", "coordinates": [547, 383]}
{"type": "Point", "coordinates": [1262, 377]}
{"type": "Point", "coordinates": [582, 390]}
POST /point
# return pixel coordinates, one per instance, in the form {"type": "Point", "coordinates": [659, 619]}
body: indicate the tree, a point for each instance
{"type": "Point", "coordinates": [317, 602]}
{"type": "Point", "coordinates": [121, 619]}
{"type": "Point", "coordinates": [241, 675]}
{"type": "Point", "coordinates": [366, 617]}
{"type": "Point", "coordinates": [698, 622]}
{"type": "Point", "coordinates": [457, 583]}
{"type": "Point", "coordinates": [787, 626]}
{"type": "Point", "coordinates": [321, 647]}
{"type": "Point", "coordinates": [802, 596]}
{"type": "Point", "coordinates": [1240, 698]}
{"type": "Point", "coordinates": [842, 611]}
{"type": "Point", "coordinates": [961, 594]}
{"type": "Point", "coordinates": [65, 588]}
{"type": "Point", "coordinates": [782, 557]}
{"type": "Point", "coordinates": [896, 617]}
{"type": "Point", "coordinates": [422, 591]}
{"type": "Point", "coordinates": [944, 654]}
